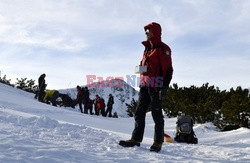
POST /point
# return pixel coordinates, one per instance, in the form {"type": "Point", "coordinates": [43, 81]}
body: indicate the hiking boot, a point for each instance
{"type": "Point", "coordinates": [156, 147]}
{"type": "Point", "coordinates": [129, 143]}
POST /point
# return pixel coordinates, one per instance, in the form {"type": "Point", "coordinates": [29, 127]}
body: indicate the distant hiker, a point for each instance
{"type": "Point", "coordinates": [100, 106]}
{"type": "Point", "coordinates": [66, 101]}
{"type": "Point", "coordinates": [80, 96]}
{"type": "Point", "coordinates": [110, 106]}
{"type": "Point", "coordinates": [156, 64]}
{"type": "Point", "coordinates": [90, 106]}
{"type": "Point", "coordinates": [41, 87]}
{"type": "Point", "coordinates": [86, 99]}
{"type": "Point", "coordinates": [184, 130]}
{"type": "Point", "coordinates": [51, 96]}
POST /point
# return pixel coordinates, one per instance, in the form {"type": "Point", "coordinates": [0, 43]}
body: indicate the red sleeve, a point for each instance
{"type": "Point", "coordinates": [166, 64]}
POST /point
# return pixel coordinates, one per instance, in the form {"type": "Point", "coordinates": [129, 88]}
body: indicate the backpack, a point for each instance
{"type": "Point", "coordinates": [184, 124]}
{"type": "Point", "coordinates": [184, 130]}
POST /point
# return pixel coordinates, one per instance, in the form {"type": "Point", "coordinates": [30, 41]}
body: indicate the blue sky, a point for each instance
{"type": "Point", "coordinates": [69, 39]}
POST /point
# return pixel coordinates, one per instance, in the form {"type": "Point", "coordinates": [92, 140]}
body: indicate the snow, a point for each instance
{"type": "Point", "coordinates": [31, 131]}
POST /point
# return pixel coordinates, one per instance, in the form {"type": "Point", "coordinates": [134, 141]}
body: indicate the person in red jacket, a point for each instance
{"type": "Point", "coordinates": [155, 79]}
{"type": "Point", "coordinates": [100, 105]}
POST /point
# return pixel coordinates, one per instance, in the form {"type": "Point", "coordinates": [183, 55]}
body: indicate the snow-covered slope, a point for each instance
{"type": "Point", "coordinates": [122, 92]}
{"type": "Point", "coordinates": [31, 131]}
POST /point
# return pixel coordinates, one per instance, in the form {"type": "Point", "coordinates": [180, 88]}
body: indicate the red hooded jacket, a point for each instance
{"type": "Point", "coordinates": [157, 59]}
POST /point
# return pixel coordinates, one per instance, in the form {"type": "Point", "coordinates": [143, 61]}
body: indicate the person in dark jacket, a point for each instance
{"type": "Point", "coordinates": [155, 75]}
{"type": "Point", "coordinates": [80, 96]}
{"type": "Point", "coordinates": [90, 106]}
{"type": "Point", "coordinates": [109, 106]}
{"type": "Point", "coordinates": [86, 99]}
{"type": "Point", "coordinates": [41, 87]}
{"type": "Point", "coordinates": [66, 100]}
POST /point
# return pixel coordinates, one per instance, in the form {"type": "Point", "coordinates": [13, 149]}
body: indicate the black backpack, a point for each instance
{"type": "Point", "coordinates": [184, 130]}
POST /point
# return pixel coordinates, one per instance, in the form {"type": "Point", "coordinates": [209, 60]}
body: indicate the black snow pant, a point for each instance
{"type": "Point", "coordinates": [90, 108]}
{"type": "Point", "coordinates": [109, 111]}
{"type": "Point", "coordinates": [40, 94]}
{"type": "Point", "coordinates": [85, 102]}
{"type": "Point", "coordinates": [80, 104]}
{"type": "Point", "coordinates": [85, 109]}
{"type": "Point", "coordinates": [147, 97]}
{"type": "Point", "coordinates": [103, 111]}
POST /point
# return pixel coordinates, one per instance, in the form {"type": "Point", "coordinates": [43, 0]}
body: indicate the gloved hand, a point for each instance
{"type": "Point", "coordinates": [163, 93]}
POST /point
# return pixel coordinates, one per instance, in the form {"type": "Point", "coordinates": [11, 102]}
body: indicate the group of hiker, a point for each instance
{"type": "Point", "coordinates": [98, 102]}
{"type": "Point", "coordinates": [82, 98]}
